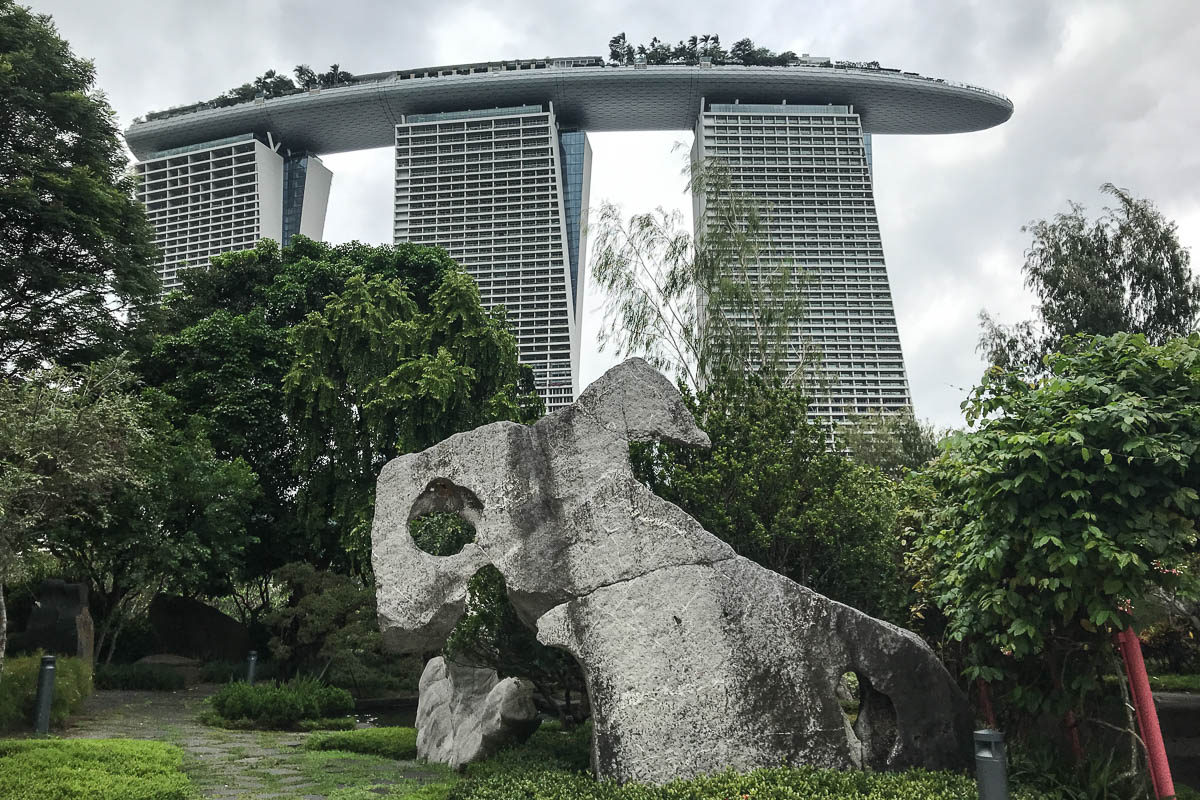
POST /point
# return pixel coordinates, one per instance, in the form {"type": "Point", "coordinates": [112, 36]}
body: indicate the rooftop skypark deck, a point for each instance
{"type": "Point", "coordinates": [586, 94]}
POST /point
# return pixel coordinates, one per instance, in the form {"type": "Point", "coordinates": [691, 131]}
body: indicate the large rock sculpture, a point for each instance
{"type": "Point", "coordinates": [59, 621]}
{"type": "Point", "coordinates": [186, 627]}
{"type": "Point", "coordinates": [696, 659]}
{"type": "Point", "coordinates": [467, 713]}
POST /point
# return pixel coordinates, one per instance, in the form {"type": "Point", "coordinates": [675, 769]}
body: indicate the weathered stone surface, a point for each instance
{"type": "Point", "coordinates": [467, 713]}
{"type": "Point", "coordinates": [696, 659]}
{"type": "Point", "coordinates": [59, 621]}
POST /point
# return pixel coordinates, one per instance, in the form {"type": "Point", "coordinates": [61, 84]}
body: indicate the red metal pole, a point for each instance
{"type": "Point", "coordinates": [1143, 703]}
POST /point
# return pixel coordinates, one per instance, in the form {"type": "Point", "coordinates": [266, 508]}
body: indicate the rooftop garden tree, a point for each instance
{"type": "Point", "coordinates": [76, 253]}
{"type": "Point", "coordinates": [744, 52]}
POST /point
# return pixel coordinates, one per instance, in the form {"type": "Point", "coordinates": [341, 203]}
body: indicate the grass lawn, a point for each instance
{"type": "Point", "coordinates": [96, 769]}
{"type": "Point", "coordinates": [1175, 683]}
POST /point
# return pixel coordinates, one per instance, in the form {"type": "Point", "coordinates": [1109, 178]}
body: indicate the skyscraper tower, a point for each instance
{"type": "Point", "coordinates": [212, 197]}
{"type": "Point", "coordinates": [808, 168]}
{"type": "Point", "coordinates": [505, 192]}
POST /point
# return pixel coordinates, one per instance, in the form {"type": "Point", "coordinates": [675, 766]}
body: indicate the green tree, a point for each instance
{"type": "Point", "coordinates": [1069, 502]}
{"type": "Point", "coordinates": [1123, 272]}
{"type": "Point", "coordinates": [770, 487]}
{"type": "Point", "coordinates": [892, 443]}
{"type": "Point", "coordinates": [223, 345]}
{"type": "Point", "coordinates": [375, 375]}
{"type": "Point", "coordinates": [178, 525]}
{"type": "Point", "coordinates": [76, 253]}
{"type": "Point", "coordinates": [67, 442]}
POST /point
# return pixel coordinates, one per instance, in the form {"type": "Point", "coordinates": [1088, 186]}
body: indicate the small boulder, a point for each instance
{"type": "Point", "coordinates": [465, 714]}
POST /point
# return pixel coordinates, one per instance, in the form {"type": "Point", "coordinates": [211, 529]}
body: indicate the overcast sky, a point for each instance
{"type": "Point", "coordinates": [1104, 91]}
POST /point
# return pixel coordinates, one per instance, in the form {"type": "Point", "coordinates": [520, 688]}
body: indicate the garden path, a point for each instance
{"type": "Point", "coordinates": [235, 765]}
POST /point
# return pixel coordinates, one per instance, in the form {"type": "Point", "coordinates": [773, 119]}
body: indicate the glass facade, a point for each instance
{"type": "Point", "coordinates": [573, 144]}
{"type": "Point", "coordinates": [295, 170]}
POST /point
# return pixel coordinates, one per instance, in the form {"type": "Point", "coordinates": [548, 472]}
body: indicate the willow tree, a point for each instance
{"type": "Point", "coordinates": [708, 305]}
{"type": "Point", "coordinates": [377, 373]}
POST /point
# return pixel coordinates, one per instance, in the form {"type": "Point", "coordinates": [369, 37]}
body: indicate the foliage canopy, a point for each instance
{"type": "Point", "coordinates": [76, 252]}
{"type": "Point", "coordinates": [1070, 502]}
{"type": "Point", "coordinates": [1123, 272]}
{"type": "Point", "coordinates": [317, 364]}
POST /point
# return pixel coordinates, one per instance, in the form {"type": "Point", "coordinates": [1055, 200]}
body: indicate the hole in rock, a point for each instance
{"type": "Point", "coordinates": [492, 634]}
{"type": "Point", "coordinates": [441, 533]}
{"type": "Point", "coordinates": [848, 696]}
{"type": "Point", "coordinates": [875, 725]}
{"type": "Point", "coordinates": [441, 520]}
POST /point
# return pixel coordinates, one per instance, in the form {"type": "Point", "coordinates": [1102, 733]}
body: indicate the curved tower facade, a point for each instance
{"type": "Point", "coordinates": [808, 167]}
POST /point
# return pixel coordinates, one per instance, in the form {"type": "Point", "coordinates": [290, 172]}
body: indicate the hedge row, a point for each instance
{"type": "Point", "coordinates": [155, 677]}
{"type": "Point", "coordinates": [397, 743]}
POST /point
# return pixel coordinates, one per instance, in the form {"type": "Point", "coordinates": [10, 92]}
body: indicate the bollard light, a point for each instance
{"type": "Point", "coordinates": [45, 696]}
{"type": "Point", "coordinates": [251, 664]}
{"type": "Point", "coordinates": [991, 765]}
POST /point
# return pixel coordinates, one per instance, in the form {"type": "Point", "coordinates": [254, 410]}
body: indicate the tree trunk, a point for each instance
{"type": "Point", "coordinates": [3, 628]}
{"type": "Point", "coordinates": [112, 646]}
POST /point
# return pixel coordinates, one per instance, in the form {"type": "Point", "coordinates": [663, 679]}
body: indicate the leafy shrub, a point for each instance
{"type": "Point", "coordinates": [550, 748]}
{"type": "Point", "coordinates": [155, 677]}
{"type": "Point", "coordinates": [329, 622]}
{"type": "Point", "coordinates": [281, 705]}
{"type": "Point", "coordinates": [1172, 648]}
{"type": "Point", "coordinates": [553, 764]}
{"type": "Point", "coordinates": [99, 769]}
{"type": "Point", "coordinates": [18, 689]}
{"type": "Point", "coordinates": [398, 743]}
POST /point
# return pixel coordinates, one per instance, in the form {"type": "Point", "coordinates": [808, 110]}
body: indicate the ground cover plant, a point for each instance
{"type": "Point", "coordinates": [1175, 683]}
{"type": "Point", "coordinates": [392, 742]}
{"type": "Point", "coordinates": [98, 769]}
{"type": "Point", "coordinates": [154, 677]}
{"type": "Point", "coordinates": [18, 688]}
{"type": "Point", "coordinates": [553, 765]}
{"type": "Point", "coordinates": [299, 703]}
